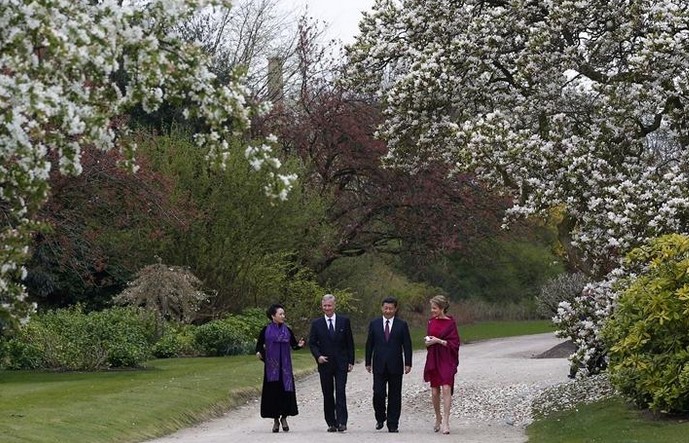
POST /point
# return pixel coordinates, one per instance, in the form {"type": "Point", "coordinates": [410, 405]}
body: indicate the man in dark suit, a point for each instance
{"type": "Point", "coordinates": [332, 345]}
{"type": "Point", "coordinates": [388, 346]}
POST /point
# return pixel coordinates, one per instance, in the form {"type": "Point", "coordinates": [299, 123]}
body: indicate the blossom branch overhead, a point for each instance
{"type": "Point", "coordinates": [69, 71]}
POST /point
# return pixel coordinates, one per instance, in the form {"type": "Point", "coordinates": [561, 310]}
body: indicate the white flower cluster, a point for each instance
{"type": "Point", "coordinates": [69, 70]}
{"type": "Point", "coordinates": [582, 321]}
{"type": "Point", "coordinates": [574, 106]}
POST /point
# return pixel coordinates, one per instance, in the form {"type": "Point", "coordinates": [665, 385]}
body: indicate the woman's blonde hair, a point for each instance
{"type": "Point", "coordinates": [441, 301]}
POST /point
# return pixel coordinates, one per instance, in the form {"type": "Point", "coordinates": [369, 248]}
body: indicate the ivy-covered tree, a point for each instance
{"type": "Point", "coordinates": [579, 106]}
{"type": "Point", "coordinates": [59, 95]}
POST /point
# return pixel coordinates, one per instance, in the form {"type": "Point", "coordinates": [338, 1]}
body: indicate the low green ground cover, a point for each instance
{"type": "Point", "coordinates": [607, 421]}
{"type": "Point", "coordinates": [128, 405]}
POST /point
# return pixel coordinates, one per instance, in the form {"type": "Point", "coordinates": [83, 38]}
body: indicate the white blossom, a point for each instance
{"type": "Point", "coordinates": [577, 107]}
{"type": "Point", "coordinates": [58, 95]}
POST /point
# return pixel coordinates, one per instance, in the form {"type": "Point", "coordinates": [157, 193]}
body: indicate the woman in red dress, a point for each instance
{"type": "Point", "coordinates": [442, 358]}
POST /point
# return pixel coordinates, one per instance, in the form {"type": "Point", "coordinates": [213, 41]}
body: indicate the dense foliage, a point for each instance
{"type": "Point", "coordinates": [103, 224]}
{"type": "Point", "coordinates": [69, 339]}
{"type": "Point", "coordinates": [648, 334]}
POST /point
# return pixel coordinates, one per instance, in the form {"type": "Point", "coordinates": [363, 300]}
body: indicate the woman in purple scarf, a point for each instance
{"type": "Point", "coordinates": [273, 347]}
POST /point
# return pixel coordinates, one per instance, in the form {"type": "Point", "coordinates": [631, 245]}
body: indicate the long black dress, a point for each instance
{"type": "Point", "coordinates": [275, 401]}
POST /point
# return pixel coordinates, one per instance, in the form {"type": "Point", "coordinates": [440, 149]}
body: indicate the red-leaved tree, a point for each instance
{"type": "Point", "coordinates": [372, 207]}
{"type": "Point", "coordinates": [103, 224]}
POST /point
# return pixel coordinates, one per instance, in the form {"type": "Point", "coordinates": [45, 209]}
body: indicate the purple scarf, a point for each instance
{"type": "Point", "coordinates": [278, 355]}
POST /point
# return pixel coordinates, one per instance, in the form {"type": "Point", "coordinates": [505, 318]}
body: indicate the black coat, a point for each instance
{"type": "Point", "coordinates": [388, 356]}
{"type": "Point", "coordinates": [339, 349]}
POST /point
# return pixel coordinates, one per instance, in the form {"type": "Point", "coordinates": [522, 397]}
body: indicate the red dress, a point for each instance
{"type": "Point", "coordinates": [442, 361]}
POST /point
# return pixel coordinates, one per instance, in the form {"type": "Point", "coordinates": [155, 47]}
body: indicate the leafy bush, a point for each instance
{"type": "Point", "coordinates": [16, 354]}
{"type": "Point", "coordinates": [69, 339]}
{"type": "Point", "coordinates": [228, 336]}
{"type": "Point", "coordinates": [564, 287]}
{"type": "Point", "coordinates": [253, 320]}
{"type": "Point", "coordinates": [177, 341]}
{"type": "Point", "coordinates": [648, 335]}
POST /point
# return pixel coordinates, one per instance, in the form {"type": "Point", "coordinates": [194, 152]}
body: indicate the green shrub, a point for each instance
{"type": "Point", "coordinates": [228, 336]}
{"type": "Point", "coordinates": [648, 335]}
{"type": "Point", "coordinates": [253, 319]}
{"type": "Point", "coordinates": [177, 341]}
{"type": "Point", "coordinates": [15, 354]}
{"type": "Point", "coordinates": [69, 339]}
{"type": "Point", "coordinates": [124, 334]}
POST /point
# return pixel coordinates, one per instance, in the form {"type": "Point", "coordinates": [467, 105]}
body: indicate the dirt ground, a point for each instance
{"type": "Point", "coordinates": [496, 382]}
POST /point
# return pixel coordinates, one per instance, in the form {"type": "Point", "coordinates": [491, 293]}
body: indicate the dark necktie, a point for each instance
{"type": "Point", "coordinates": [387, 330]}
{"type": "Point", "coordinates": [330, 327]}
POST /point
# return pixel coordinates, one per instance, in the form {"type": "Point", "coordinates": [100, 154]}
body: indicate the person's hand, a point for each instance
{"type": "Point", "coordinates": [301, 342]}
{"type": "Point", "coordinates": [322, 359]}
{"type": "Point", "coordinates": [350, 367]}
{"type": "Point", "coordinates": [260, 357]}
{"type": "Point", "coordinates": [368, 368]}
{"type": "Point", "coordinates": [407, 369]}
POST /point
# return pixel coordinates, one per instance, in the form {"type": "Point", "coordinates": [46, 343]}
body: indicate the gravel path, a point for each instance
{"type": "Point", "coordinates": [495, 385]}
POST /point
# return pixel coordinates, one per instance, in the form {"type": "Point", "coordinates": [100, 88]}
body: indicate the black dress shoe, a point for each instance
{"type": "Point", "coordinates": [332, 429]}
{"type": "Point", "coordinates": [341, 428]}
{"type": "Point", "coordinates": [393, 430]}
{"type": "Point", "coordinates": [379, 425]}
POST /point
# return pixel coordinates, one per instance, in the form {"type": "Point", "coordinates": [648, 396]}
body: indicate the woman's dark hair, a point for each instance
{"type": "Point", "coordinates": [273, 309]}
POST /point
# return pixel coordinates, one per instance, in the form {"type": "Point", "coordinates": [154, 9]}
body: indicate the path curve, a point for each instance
{"type": "Point", "coordinates": [496, 382]}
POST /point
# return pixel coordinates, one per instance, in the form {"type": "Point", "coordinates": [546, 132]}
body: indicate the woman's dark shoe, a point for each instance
{"type": "Point", "coordinates": [276, 425]}
{"type": "Point", "coordinates": [285, 426]}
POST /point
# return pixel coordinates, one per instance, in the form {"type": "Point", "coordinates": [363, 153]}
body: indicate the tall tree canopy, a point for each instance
{"type": "Point", "coordinates": [68, 71]}
{"type": "Point", "coordinates": [574, 105]}
{"type": "Point", "coordinates": [578, 105]}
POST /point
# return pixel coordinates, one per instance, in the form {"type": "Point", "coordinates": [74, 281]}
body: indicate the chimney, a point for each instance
{"type": "Point", "coordinates": [275, 83]}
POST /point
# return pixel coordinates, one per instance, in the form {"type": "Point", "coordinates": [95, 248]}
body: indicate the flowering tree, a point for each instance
{"type": "Point", "coordinates": [68, 71]}
{"type": "Point", "coordinates": [574, 105]}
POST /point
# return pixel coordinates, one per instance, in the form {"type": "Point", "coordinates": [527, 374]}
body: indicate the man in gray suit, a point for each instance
{"type": "Point", "coordinates": [388, 347]}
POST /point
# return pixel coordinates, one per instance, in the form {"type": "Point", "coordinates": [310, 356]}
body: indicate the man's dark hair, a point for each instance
{"type": "Point", "coordinates": [392, 300]}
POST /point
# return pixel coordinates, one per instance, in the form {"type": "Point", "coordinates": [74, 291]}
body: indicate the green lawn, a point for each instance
{"type": "Point", "coordinates": [491, 329]}
{"type": "Point", "coordinates": [128, 406]}
{"type": "Point", "coordinates": [121, 406]}
{"type": "Point", "coordinates": [608, 421]}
